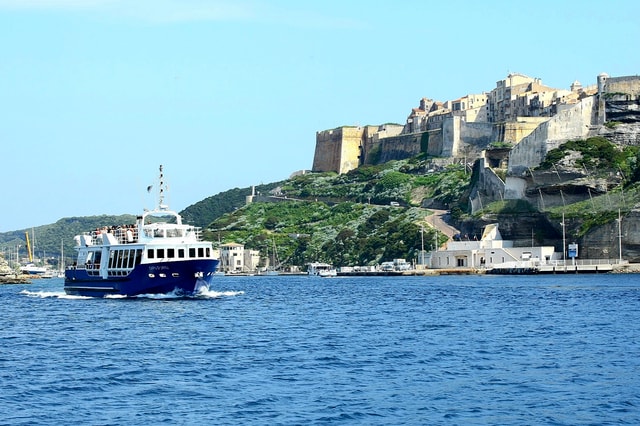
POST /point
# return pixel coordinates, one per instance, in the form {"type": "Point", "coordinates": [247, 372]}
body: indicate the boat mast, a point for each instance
{"type": "Point", "coordinates": [62, 255]}
{"type": "Point", "coordinates": [161, 188]}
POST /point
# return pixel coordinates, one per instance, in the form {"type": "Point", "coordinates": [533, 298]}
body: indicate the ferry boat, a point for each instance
{"type": "Point", "coordinates": [156, 255]}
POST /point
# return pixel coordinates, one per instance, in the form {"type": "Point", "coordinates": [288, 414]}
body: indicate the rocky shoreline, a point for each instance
{"type": "Point", "coordinates": [629, 268]}
{"type": "Point", "coordinates": [14, 279]}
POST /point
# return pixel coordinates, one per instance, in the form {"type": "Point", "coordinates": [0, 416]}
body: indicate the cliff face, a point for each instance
{"type": "Point", "coordinates": [604, 241]}
{"type": "Point", "coordinates": [623, 134]}
{"type": "Point", "coordinates": [522, 228]}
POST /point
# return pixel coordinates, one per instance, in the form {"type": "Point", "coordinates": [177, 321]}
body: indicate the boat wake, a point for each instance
{"type": "Point", "coordinates": [51, 294]}
{"type": "Point", "coordinates": [203, 293]}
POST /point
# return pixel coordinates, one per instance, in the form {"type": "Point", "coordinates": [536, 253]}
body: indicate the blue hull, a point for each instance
{"type": "Point", "coordinates": [154, 278]}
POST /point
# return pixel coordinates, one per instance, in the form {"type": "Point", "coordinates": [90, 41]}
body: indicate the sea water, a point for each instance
{"type": "Point", "coordinates": [450, 350]}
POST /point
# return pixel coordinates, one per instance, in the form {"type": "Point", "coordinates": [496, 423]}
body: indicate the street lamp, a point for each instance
{"type": "Point", "coordinates": [619, 220]}
{"type": "Point", "coordinates": [422, 245]}
{"type": "Point", "coordinates": [564, 243]}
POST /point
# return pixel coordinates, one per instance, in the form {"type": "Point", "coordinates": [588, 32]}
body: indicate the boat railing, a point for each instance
{"type": "Point", "coordinates": [129, 235]}
{"type": "Point", "coordinates": [121, 235]}
{"type": "Point", "coordinates": [586, 262]}
{"type": "Point", "coordinates": [189, 232]}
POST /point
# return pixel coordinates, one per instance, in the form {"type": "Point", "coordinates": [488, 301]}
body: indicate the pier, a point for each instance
{"type": "Point", "coordinates": [583, 266]}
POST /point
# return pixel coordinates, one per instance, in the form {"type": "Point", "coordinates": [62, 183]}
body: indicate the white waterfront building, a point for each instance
{"type": "Point", "coordinates": [491, 251]}
{"type": "Point", "coordinates": [234, 258]}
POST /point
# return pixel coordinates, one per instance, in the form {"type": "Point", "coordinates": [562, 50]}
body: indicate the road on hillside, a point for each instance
{"type": "Point", "coordinates": [437, 220]}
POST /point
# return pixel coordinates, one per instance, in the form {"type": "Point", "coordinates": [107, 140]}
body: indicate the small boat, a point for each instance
{"type": "Point", "coordinates": [156, 255]}
{"type": "Point", "coordinates": [31, 268]}
{"type": "Point", "coordinates": [274, 263]}
{"type": "Point", "coordinates": [319, 269]}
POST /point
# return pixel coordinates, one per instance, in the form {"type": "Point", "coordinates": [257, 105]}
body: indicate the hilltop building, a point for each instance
{"type": "Point", "coordinates": [511, 129]}
{"type": "Point", "coordinates": [464, 128]}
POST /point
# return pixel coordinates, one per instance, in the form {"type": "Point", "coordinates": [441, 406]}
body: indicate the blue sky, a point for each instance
{"type": "Point", "coordinates": [96, 94]}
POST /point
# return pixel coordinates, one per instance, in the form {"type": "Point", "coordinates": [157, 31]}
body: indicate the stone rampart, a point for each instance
{"type": "Point", "coordinates": [435, 143]}
{"type": "Point", "coordinates": [573, 123]}
{"type": "Point", "coordinates": [399, 147]}
{"type": "Point", "coordinates": [489, 187]}
{"type": "Point", "coordinates": [478, 134]}
{"type": "Point", "coordinates": [629, 85]}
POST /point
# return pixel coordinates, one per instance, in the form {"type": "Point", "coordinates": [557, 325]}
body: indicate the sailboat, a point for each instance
{"type": "Point", "coordinates": [61, 262]}
{"type": "Point", "coordinates": [272, 269]}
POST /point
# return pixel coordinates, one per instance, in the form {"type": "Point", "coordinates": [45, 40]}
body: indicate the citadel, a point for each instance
{"type": "Point", "coordinates": [509, 130]}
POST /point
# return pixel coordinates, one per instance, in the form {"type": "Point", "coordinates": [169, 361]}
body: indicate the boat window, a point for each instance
{"type": "Point", "coordinates": [181, 253]}
{"type": "Point", "coordinates": [132, 258]}
{"type": "Point", "coordinates": [208, 251]}
{"type": "Point", "coordinates": [171, 253]}
{"type": "Point", "coordinates": [138, 256]}
{"type": "Point", "coordinates": [121, 258]}
{"type": "Point", "coordinates": [192, 252]}
{"type": "Point", "coordinates": [174, 232]}
{"type": "Point", "coordinates": [160, 253]}
{"type": "Point", "coordinates": [200, 252]}
{"type": "Point", "coordinates": [150, 254]}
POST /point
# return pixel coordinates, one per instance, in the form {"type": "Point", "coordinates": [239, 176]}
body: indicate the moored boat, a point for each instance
{"type": "Point", "coordinates": [319, 269]}
{"type": "Point", "coordinates": [32, 269]}
{"type": "Point", "coordinates": [156, 255]}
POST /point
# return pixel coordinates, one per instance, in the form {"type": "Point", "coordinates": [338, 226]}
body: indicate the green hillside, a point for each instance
{"type": "Point", "coordinates": [347, 219]}
{"type": "Point", "coordinates": [204, 212]}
